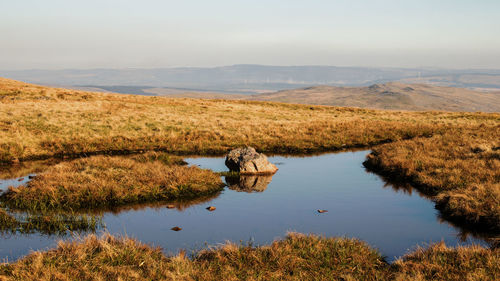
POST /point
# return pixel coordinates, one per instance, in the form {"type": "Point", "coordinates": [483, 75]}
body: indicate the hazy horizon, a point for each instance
{"type": "Point", "coordinates": [255, 64]}
{"type": "Point", "coordinates": [117, 34]}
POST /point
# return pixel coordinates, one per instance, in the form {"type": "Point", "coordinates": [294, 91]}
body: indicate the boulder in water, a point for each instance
{"type": "Point", "coordinates": [247, 161]}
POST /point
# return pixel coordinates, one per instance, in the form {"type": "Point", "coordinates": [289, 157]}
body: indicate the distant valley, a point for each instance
{"type": "Point", "coordinates": [381, 88]}
{"type": "Point", "coordinates": [253, 79]}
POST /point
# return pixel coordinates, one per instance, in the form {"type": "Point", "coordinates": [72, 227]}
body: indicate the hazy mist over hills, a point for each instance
{"type": "Point", "coordinates": [252, 79]}
{"type": "Point", "coordinates": [381, 88]}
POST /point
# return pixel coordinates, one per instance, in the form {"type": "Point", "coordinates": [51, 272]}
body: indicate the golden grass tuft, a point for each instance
{"type": "Point", "coordinates": [106, 181]}
{"type": "Point", "coordinates": [439, 262]}
{"type": "Point", "coordinates": [297, 257]}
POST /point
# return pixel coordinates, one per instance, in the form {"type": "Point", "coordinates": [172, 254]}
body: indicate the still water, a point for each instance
{"type": "Point", "coordinates": [258, 210]}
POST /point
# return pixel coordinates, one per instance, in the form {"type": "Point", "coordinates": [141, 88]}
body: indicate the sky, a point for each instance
{"type": "Point", "coordinates": [59, 34]}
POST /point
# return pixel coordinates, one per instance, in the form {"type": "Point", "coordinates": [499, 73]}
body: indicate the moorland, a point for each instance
{"type": "Point", "coordinates": [454, 157]}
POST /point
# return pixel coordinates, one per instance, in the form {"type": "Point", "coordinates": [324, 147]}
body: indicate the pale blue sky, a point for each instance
{"type": "Point", "coordinates": [163, 33]}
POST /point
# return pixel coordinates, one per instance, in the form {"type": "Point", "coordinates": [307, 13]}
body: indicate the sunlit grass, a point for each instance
{"type": "Point", "coordinates": [109, 181]}
{"type": "Point", "coordinates": [297, 257]}
{"type": "Point", "coordinates": [40, 122]}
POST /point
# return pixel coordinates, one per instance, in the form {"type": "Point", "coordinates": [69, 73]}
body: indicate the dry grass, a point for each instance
{"type": "Point", "coordinates": [295, 258]}
{"type": "Point", "coordinates": [40, 122]}
{"type": "Point", "coordinates": [298, 257]}
{"type": "Point", "coordinates": [459, 169]}
{"type": "Point", "coordinates": [439, 262]}
{"type": "Point", "coordinates": [106, 181]}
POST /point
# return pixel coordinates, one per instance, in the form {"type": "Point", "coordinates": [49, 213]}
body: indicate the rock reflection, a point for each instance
{"type": "Point", "coordinates": [248, 183]}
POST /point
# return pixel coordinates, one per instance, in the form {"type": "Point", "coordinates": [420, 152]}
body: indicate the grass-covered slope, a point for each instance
{"type": "Point", "coordinates": [41, 122]}
{"type": "Point", "coordinates": [298, 257]}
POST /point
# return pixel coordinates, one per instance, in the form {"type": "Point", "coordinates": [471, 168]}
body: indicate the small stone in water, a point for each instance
{"type": "Point", "coordinates": [322, 211]}
{"type": "Point", "coordinates": [176, 228]}
{"type": "Point", "coordinates": [170, 206]}
{"type": "Point", "coordinates": [21, 179]}
{"type": "Point", "coordinates": [210, 208]}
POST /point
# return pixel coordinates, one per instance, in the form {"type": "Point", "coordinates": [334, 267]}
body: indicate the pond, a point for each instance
{"type": "Point", "coordinates": [260, 209]}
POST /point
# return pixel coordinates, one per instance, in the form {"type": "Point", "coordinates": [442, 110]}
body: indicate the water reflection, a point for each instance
{"type": "Point", "coordinates": [179, 205]}
{"type": "Point", "coordinates": [62, 223]}
{"type": "Point", "coordinates": [465, 232]}
{"type": "Point", "coordinates": [400, 186]}
{"type": "Point", "coordinates": [58, 224]}
{"type": "Point", "coordinates": [23, 169]}
{"type": "Point", "coordinates": [248, 183]}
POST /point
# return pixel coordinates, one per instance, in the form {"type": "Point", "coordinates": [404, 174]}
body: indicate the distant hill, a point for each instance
{"type": "Point", "coordinates": [391, 96]}
{"type": "Point", "coordinates": [252, 79]}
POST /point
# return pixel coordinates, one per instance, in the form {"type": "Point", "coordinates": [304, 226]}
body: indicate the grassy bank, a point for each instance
{"type": "Point", "coordinates": [439, 262]}
{"type": "Point", "coordinates": [107, 181]}
{"type": "Point", "coordinates": [40, 122]}
{"type": "Point", "coordinates": [460, 170]}
{"type": "Point", "coordinates": [297, 257]}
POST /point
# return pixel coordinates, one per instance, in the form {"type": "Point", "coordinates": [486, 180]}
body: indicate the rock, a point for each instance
{"type": "Point", "coordinates": [176, 228]}
{"type": "Point", "coordinates": [21, 179]}
{"type": "Point", "coordinates": [31, 177]}
{"type": "Point", "coordinates": [170, 206]}
{"type": "Point", "coordinates": [210, 208]}
{"type": "Point", "coordinates": [322, 211]}
{"type": "Point", "coordinates": [247, 161]}
{"type": "Point", "coordinates": [480, 148]}
{"type": "Point", "coordinates": [249, 183]}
